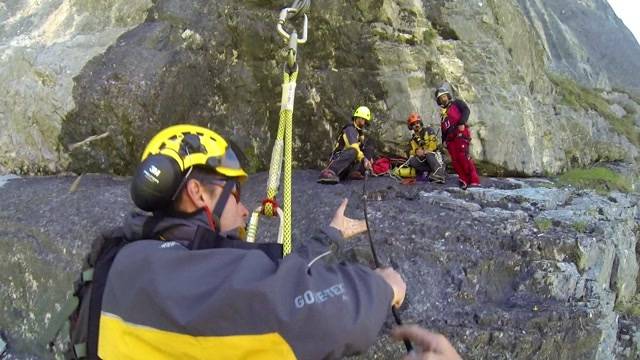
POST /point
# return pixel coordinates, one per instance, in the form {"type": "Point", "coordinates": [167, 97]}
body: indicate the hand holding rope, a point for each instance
{"type": "Point", "coordinates": [396, 317]}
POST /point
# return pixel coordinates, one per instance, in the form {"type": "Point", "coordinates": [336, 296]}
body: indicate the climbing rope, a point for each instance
{"type": "Point", "coordinates": [396, 317]}
{"type": "Point", "coordinates": [283, 146]}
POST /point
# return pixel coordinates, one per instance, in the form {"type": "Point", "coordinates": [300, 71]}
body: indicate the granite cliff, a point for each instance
{"type": "Point", "coordinates": [86, 83]}
{"type": "Point", "coordinates": [523, 268]}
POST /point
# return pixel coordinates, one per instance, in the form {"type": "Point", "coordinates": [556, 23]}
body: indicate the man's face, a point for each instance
{"type": "Point", "coordinates": [235, 214]}
{"type": "Point", "coordinates": [443, 100]}
{"type": "Point", "coordinates": [360, 122]}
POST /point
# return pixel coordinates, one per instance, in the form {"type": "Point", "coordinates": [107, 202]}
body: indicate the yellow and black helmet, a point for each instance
{"type": "Point", "coordinates": [362, 112]}
{"type": "Point", "coordinates": [168, 157]}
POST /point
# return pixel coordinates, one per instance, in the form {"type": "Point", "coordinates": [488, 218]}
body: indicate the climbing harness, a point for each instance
{"type": "Point", "coordinates": [407, 343]}
{"type": "Point", "coordinates": [283, 146]}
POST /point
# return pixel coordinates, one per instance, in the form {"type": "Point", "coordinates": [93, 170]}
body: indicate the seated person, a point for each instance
{"type": "Point", "coordinates": [350, 158]}
{"type": "Point", "coordinates": [423, 155]}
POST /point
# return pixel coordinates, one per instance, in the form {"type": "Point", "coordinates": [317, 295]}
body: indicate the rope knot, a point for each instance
{"type": "Point", "coordinates": [269, 207]}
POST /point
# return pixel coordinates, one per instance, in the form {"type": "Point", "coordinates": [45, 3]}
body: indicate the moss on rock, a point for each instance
{"type": "Point", "coordinates": [600, 179]}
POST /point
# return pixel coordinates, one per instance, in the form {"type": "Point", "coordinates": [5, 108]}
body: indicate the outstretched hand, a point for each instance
{"type": "Point", "coordinates": [347, 227]}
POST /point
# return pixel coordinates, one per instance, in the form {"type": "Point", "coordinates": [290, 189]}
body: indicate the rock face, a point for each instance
{"type": "Point", "coordinates": [43, 45]}
{"type": "Point", "coordinates": [88, 84]}
{"type": "Point", "coordinates": [581, 37]}
{"type": "Point", "coordinates": [518, 270]}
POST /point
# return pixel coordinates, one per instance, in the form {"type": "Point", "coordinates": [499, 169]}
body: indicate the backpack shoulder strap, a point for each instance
{"type": "Point", "coordinates": [104, 246]}
{"type": "Point", "coordinates": [100, 273]}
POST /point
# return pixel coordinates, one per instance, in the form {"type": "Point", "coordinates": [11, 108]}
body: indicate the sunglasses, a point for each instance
{"type": "Point", "coordinates": [235, 192]}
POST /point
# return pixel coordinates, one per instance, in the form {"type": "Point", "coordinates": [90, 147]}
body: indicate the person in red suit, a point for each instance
{"type": "Point", "coordinates": [456, 136]}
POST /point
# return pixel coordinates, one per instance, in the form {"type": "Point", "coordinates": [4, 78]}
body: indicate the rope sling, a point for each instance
{"type": "Point", "coordinates": [283, 146]}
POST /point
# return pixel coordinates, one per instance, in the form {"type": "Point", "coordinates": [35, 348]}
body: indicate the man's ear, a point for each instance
{"type": "Point", "coordinates": [195, 192]}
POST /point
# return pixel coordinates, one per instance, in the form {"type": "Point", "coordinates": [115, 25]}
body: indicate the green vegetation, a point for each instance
{"type": "Point", "coordinates": [630, 307]}
{"type": "Point", "coordinates": [429, 35]}
{"type": "Point", "coordinates": [486, 168]}
{"type": "Point", "coordinates": [543, 224]}
{"type": "Point", "coordinates": [580, 97]}
{"type": "Point", "coordinates": [625, 126]}
{"type": "Point", "coordinates": [580, 226]}
{"type": "Point", "coordinates": [600, 179]}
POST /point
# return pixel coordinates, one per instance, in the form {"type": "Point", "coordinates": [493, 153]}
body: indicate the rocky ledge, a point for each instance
{"type": "Point", "coordinates": [517, 269]}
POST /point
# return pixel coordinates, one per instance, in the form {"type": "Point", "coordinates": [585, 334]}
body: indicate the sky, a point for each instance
{"type": "Point", "coordinates": [629, 12]}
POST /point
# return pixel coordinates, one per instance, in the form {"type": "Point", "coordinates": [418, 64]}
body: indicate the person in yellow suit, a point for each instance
{"type": "Point", "coordinates": [423, 154]}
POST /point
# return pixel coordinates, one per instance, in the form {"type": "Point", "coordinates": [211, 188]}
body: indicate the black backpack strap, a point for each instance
{"type": "Point", "coordinates": [149, 226]}
{"type": "Point", "coordinates": [100, 273]}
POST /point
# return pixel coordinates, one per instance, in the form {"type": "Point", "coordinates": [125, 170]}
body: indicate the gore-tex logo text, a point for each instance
{"type": "Point", "coordinates": [309, 297]}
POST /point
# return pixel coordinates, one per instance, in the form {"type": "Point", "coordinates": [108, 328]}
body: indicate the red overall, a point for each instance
{"type": "Point", "coordinates": [458, 143]}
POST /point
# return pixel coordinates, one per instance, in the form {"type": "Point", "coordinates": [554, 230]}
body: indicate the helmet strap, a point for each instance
{"type": "Point", "coordinates": [220, 204]}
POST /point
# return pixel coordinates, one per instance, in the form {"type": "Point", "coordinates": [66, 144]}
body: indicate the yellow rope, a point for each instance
{"type": "Point", "coordinates": [282, 149]}
{"type": "Point", "coordinates": [287, 115]}
{"type": "Point", "coordinates": [283, 146]}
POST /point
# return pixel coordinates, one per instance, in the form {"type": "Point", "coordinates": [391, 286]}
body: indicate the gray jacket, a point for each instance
{"type": "Point", "coordinates": [274, 308]}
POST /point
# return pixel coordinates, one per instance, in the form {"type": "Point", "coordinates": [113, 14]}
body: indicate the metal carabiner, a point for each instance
{"type": "Point", "coordinates": [283, 18]}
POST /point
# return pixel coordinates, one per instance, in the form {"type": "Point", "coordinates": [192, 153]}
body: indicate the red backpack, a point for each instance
{"type": "Point", "coordinates": [384, 164]}
{"type": "Point", "coordinates": [381, 166]}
